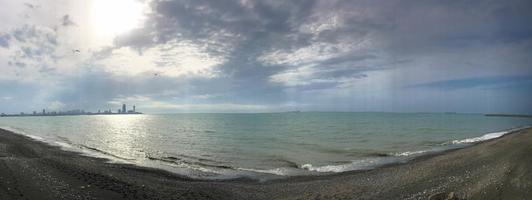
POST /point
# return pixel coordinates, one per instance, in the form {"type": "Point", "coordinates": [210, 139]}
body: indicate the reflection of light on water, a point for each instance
{"type": "Point", "coordinates": [124, 134]}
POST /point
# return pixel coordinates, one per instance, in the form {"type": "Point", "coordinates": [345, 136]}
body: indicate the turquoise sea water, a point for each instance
{"type": "Point", "coordinates": [263, 146]}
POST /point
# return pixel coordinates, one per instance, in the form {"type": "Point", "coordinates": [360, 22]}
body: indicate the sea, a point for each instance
{"type": "Point", "coordinates": [263, 146]}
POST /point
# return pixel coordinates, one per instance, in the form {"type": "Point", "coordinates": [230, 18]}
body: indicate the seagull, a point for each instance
{"type": "Point", "coordinates": [76, 51]}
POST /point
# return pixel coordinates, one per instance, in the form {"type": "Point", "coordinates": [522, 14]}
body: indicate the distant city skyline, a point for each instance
{"type": "Point", "coordinates": [267, 56]}
{"type": "Point", "coordinates": [44, 112]}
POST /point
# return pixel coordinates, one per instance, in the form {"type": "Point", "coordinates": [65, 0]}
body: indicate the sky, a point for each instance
{"type": "Point", "coordinates": [169, 56]}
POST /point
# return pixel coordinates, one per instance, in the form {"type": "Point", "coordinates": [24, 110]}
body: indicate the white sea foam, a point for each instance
{"type": "Point", "coordinates": [481, 138]}
{"type": "Point", "coordinates": [487, 136]}
{"type": "Point", "coordinates": [327, 168]}
{"type": "Point", "coordinates": [276, 171]}
{"type": "Point", "coordinates": [370, 163]}
{"type": "Point", "coordinates": [362, 164]}
{"type": "Point", "coordinates": [202, 171]}
{"type": "Point", "coordinates": [411, 153]}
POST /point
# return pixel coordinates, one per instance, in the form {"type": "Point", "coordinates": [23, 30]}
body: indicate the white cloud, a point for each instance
{"type": "Point", "coordinates": [173, 59]}
{"type": "Point", "coordinates": [323, 22]}
{"type": "Point", "coordinates": [315, 52]}
{"type": "Point", "coordinates": [294, 77]}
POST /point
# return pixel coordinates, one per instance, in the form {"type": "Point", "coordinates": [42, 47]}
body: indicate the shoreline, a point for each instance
{"type": "Point", "coordinates": [420, 158]}
{"type": "Point", "coordinates": [32, 168]}
{"type": "Point", "coordinates": [391, 159]}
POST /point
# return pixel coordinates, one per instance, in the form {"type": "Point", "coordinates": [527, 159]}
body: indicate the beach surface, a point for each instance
{"type": "Point", "coordinates": [495, 169]}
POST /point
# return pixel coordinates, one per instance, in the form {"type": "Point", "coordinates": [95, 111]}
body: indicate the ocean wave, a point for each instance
{"type": "Point", "coordinates": [487, 136]}
{"type": "Point", "coordinates": [380, 159]}
{"type": "Point", "coordinates": [181, 162]}
{"type": "Point", "coordinates": [362, 164]}
{"type": "Point", "coordinates": [481, 138]}
{"type": "Point", "coordinates": [103, 152]}
{"type": "Point", "coordinates": [281, 162]}
{"type": "Point", "coordinates": [276, 171]}
{"type": "Point", "coordinates": [285, 167]}
{"type": "Point", "coordinates": [326, 168]}
{"type": "Point", "coordinates": [411, 153]}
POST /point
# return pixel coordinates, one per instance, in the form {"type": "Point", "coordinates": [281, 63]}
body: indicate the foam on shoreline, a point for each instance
{"type": "Point", "coordinates": [371, 163]}
{"type": "Point", "coordinates": [487, 136]}
{"type": "Point", "coordinates": [225, 172]}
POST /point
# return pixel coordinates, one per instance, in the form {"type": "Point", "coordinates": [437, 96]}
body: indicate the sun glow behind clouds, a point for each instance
{"type": "Point", "coordinates": [112, 17]}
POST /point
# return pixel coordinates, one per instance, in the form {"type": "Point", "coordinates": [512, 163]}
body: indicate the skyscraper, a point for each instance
{"type": "Point", "coordinates": [134, 108]}
{"type": "Point", "coordinates": [123, 108]}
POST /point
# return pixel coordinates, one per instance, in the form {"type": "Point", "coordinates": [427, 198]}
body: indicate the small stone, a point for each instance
{"type": "Point", "coordinates": [443, 196]}
{"type": "Point", "coordinates": [438, 196]}
{"type": "Point", "coordinates": [451, 196]}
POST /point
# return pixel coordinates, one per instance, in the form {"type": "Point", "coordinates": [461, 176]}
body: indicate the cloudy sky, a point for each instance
{"type": "Point", "coordinates": [267, 56]}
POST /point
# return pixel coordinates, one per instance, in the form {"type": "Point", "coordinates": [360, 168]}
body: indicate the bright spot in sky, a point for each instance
{"type": "Point", "coordinates": [112, 17]}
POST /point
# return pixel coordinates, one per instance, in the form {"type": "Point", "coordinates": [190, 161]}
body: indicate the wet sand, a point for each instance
{"type": "Point", "coordinates": [494, 169]}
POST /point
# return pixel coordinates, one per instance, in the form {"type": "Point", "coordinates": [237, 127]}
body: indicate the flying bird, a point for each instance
{"type": "Point", "coordinates": [76, 51]}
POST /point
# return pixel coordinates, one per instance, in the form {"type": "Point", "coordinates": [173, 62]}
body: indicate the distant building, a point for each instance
{"type": "Point", "coordinates": [122, 110]}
